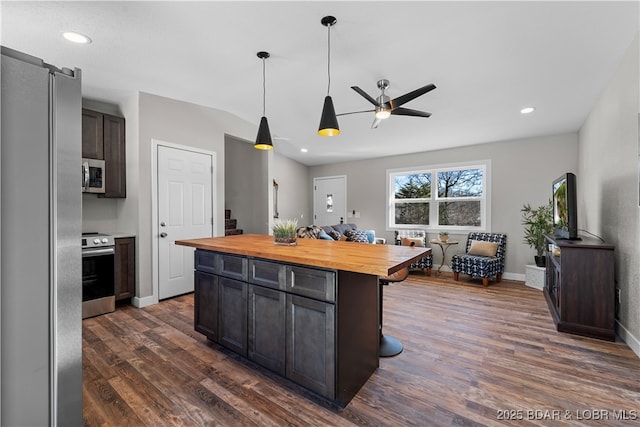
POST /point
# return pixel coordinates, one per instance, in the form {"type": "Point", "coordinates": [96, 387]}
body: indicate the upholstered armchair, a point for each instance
{"type": "Point", "coordinates": [418, 238]}
{"type": "Point", "coordinates": [483, 258]}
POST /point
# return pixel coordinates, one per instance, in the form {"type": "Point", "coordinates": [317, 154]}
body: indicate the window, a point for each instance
{"type": "Point", "coordinates": [451, 197]}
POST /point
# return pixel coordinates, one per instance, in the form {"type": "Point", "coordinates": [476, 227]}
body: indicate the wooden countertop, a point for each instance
{"type": "Point", "coordinates": [379, 260]}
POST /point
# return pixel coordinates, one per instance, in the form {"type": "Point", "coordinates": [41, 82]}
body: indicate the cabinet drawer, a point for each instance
{"type": "Point", "coordinates": [269, 274]}
{"type": "Point", "coordinates": [204, 261]}
{"type": "Point", "coordinates": [231, 266]}
{"type": "Point", "coordinates": [312, 283]}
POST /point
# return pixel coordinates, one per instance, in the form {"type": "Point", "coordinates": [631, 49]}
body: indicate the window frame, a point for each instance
{"type": "Point", "coordinates": [434, 200]}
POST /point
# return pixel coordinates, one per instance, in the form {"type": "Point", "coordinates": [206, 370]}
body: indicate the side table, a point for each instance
{"type": "Point", "coordinates": [444, 246]}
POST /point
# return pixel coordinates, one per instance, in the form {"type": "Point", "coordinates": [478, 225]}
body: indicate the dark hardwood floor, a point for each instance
{"type": "Point", "coordinates": [473, 356]}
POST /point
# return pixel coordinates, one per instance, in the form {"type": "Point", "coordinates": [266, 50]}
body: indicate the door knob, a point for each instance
{"type": "Point", "coordinates": [163, 234]}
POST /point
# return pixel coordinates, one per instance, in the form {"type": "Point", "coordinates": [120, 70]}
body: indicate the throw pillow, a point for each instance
{"type": "Point", "coordinates": [342, 238]}
{"type": "Point", "coordinates": [413, 241]}
{"type": "Point", "coordinates": [481, 248]}
{"type": "Point", "coordinates": [356, 236]}
{"type": "Point", "coordinates": [371, 235]}
{"type": "Point", "coordinates": [334, 234]}
{"type": "Point", "coordinates": [324, 236]}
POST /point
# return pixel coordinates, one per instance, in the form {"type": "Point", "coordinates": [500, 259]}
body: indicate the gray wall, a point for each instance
{"type": "Point", "coordinates": [247, 185]}
{"type": "Point", "coordinates": [522, 172]}
{"type": "Point", "coordinates": [294, 198]}
{"type": "Point", "coordinates": [608, 184]}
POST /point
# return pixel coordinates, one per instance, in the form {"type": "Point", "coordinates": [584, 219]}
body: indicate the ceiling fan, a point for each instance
{"type": "Point", "coordinates": [386, 106]}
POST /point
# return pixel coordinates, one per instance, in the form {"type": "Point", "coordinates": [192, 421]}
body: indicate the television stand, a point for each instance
{"type": "Point", "coordinates": [580, 287]}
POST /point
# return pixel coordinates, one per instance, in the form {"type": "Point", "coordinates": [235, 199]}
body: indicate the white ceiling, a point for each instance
{"type": "Point", "coordinates": [487, 59]}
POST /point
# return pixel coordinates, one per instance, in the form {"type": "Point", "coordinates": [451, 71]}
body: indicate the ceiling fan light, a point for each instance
{"type": "Point", "coordinates": [263, 140]}
{"type": "Point", "coordinates": [328, 120]}
{"type": "Point", "coordinates": [382, 113]}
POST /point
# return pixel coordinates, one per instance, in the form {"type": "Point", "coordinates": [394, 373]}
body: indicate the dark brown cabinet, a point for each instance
{"type": "Point", "coordinates": [580, 287]}
{"type": "Point", "coordinates": [206, 305]}
{"type": "Point", "coordinates": [285, 317]}
{"type": "Point", "coordinates": [125, 268]}
{"type": "Point", "coordinates": [103, 137]}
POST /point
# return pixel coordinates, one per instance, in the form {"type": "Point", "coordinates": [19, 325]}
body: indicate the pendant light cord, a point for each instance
{"type": "Point", "coordinates": [264, 89]}
{"type": "Point", "coordinates": [328, 58]}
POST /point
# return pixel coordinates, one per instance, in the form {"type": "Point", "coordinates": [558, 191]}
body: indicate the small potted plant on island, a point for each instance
{"type": "Point", "coordinates": [284, 232]}
{"type": "Point", "coordinates": [443, 236]}
{"type": "Point", "coordinates": [538, 222]}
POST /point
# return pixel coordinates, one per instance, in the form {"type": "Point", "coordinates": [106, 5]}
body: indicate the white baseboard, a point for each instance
{"type": "Point", "coordinates": [144, 301]}
{"type": "Point", "coordinates": [513, 276]}
{"type": "Point", "coordinates": [628, 338]}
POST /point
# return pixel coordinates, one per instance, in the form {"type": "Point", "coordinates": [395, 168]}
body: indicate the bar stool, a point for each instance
{"type": "Point", "coordinates": [389, 345]}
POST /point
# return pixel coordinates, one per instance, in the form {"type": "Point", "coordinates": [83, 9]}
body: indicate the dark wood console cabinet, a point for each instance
{"type": "Point", "coordinates": [580, 287]}
{"type": "Point", "coordinates": [103, 138]}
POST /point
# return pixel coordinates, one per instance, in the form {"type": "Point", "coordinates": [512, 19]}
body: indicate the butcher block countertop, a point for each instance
{"type": "Point", "coordinates": [379, 260]}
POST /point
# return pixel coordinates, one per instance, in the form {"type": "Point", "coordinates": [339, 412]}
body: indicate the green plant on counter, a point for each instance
{"type": "Point", "coordinates": [285, 229]}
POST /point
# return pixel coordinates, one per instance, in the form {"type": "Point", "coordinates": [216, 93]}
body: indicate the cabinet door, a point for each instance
{"type": "Point", "coordinates": [125, 268]}
{"type": "Point", "coordinates": [92, 135]}
{"type": "Point", "coordinates": [267, 322]}
{"type": "Point", "coordinates": [206, 305]}
{"type": "Point", "coordinates": [115, 157]}
{"type": "Point", "coordinates": [232, 326]}
{"type": "Point", "coordinates": [311, 344]}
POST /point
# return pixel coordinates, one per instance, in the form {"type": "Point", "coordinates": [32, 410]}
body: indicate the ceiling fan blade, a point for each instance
{"type": "Point", "coordinates": [376, 122]}
{"type": "Point", "coordinates": [401, 111]}
{"type": "Point", "coordinates": [365, 95]}
{"type": "Point", "coordinates": [355, 112]}
{"type": "Point", "coordinates": [395, 103]}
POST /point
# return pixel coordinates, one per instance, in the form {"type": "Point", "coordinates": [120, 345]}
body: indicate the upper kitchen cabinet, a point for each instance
{"type": "Point", "coordinates": [103, 138]}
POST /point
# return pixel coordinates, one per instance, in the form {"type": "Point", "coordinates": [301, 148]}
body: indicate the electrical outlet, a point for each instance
{"type": "Point", "coordinates": [618, 295]}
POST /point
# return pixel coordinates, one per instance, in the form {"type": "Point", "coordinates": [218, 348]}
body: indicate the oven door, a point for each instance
{"type": "Point", "coordinates": [98, 284]}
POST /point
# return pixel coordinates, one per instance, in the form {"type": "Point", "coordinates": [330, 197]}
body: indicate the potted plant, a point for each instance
{"type": "Point", "coordinates": [443, 236]}
{"type": "Point", "coordinates": [284, 232]}
{"type": "Point", "coordinates": [538, 222]}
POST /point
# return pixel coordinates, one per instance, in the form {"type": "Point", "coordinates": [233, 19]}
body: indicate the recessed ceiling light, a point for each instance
{"type": "Point", "coordinates": [76, 37]}
{"type": "Point", "coordinates": [303, 150]}
{"type": "Point", "coordinates": [527, 110]}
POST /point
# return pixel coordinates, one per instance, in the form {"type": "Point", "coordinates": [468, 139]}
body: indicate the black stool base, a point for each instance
{"type": "Point", "coordinates": [390, 346]}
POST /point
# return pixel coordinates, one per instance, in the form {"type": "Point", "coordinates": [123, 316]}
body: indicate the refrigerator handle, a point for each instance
{"type": "Point", "coordinates": [85, 176]}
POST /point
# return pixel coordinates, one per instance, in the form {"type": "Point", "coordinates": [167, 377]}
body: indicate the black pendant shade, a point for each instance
{"type": "Point", "coordinates": [263, 140]}
{"type": "Point", "coordinates": [328, 120]}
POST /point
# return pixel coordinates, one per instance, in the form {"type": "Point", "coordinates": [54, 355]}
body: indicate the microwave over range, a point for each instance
{"type": "Point", "coordinates": [93, 176]}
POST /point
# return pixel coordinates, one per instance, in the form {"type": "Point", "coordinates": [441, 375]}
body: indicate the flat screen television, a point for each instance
{"type": "Point", "coordinates": [565, 207]}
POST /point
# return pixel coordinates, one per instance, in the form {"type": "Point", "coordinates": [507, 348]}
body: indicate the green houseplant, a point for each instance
{"type": "Point", "coordinates": [284, 231]}
{"type": "Point", "coordinates": [538, 222]}
{"type": "Point", "coordinates": [443, 236]}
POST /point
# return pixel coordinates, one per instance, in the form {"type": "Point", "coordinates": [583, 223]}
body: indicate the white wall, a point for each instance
{"type": "Point", "coordinates": [609, 181]}
{"type": "Point", "coordinates": [522, 172]}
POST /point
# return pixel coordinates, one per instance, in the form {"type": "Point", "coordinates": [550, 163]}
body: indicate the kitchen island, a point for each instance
{"type": "Point", "coordinates": [309, 312]}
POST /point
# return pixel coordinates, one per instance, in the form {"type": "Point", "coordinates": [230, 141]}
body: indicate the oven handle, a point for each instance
{"type": "Point", "coordinates": [98, 251]}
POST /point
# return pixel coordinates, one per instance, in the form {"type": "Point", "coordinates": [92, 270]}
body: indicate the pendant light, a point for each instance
{"type": "Point", "coordinates": [328, 120]}
{"type": "Point", "coordinates": [263, 140]}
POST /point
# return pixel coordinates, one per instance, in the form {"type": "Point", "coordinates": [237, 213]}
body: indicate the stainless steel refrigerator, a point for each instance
{"type": "Point", "coordinates": [40, 237]}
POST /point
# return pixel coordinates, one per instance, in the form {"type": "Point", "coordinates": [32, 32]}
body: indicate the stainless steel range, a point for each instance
{"type": "Point", "coordinates": [98, 284]}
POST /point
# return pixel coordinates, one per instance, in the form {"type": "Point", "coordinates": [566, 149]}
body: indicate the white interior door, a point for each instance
{"type": "Point", "coordinates": [184, 212]}
{"type": "Point", "coordinates": [329, 200]}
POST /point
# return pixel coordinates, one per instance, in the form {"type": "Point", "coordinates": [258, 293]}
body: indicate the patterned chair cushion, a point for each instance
{"type": "Point", "coordinates": [415, 236]}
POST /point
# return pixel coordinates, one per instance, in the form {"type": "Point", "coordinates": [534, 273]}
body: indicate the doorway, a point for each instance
{"type": "Point", "coordinates": [183, 210]}
{"type": "Point", "coordinates": [329, 200]}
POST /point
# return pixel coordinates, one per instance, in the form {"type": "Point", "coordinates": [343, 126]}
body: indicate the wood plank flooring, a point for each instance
{"type": "Point", "coordinates": [473, 356]}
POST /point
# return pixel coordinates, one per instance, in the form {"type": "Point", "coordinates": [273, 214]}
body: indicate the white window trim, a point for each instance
{"type": "Point", "coordinates": [485, 203]}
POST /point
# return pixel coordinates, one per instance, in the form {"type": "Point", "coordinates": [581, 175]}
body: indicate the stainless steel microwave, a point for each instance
{"type": "Point", "coordinates": [93, 176]}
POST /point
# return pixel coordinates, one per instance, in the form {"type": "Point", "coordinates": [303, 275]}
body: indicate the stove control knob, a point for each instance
{"type": "Point", "coordinates": [105, 240]}
{"type": "Point", "coordinates": [96, 241]}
